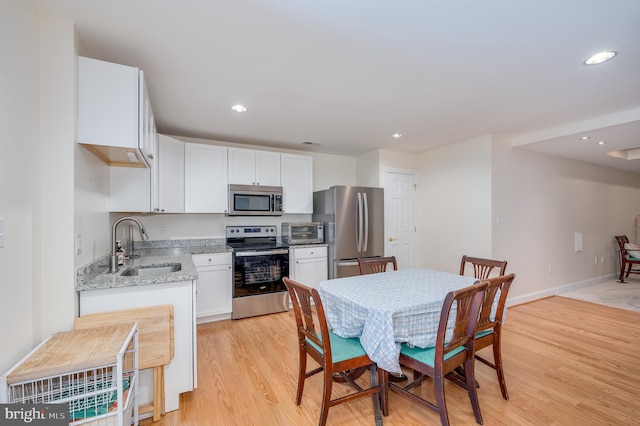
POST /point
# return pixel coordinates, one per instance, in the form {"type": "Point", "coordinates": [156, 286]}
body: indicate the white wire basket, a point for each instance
{"type": "Point", "coordinates": [100, 395]}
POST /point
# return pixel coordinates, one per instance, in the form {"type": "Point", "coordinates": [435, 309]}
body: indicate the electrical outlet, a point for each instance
{"type": "Point", "coordinates": [499, 220]}
{"type": "Point", "coordinates": [595, 260]}
{"type": "Point", "coordinates": [602, 259]}
{"type": "Point", "coordinates": [163, 229]}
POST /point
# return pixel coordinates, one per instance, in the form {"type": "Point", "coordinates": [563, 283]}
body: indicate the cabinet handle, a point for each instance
{"type": "Point", "coordinates": [150, 156]}
{"type": "Point", "coordinates": [209, 260]}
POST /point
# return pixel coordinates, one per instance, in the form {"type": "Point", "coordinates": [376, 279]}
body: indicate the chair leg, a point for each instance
{"type": "Point", "coordinates": [440, 401]}
{"type": "Point", "coordinates": [302, 374]}
{"type": "Point", "coordinates": [621, 277]}
{"type": "Point", "coordinates": [497, 358]}
{"type": "Point", "coordinates": [326, 396]}
{"type": "Point", "coordinates": [383, 379]}
{"type": "Point", "coordinates": [471, 388]}
{"type": "Point", "coordinates": [376, 396]}
{"type": "Point", "coordinates": [629, 270]}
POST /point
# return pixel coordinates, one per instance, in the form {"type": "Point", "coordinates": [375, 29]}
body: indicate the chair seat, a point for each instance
{"type": "Point", "coordinates": [633, 259]}
{"type": "Point", "coordinates": [426, 355]}
{"type": "Point", "coordinates": [342, 348]}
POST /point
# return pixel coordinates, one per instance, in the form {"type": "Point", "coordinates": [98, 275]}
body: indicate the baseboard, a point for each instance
{"type": "Point", "coordinates": [558, 290]}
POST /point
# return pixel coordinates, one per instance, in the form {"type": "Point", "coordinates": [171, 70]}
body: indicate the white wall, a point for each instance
{"type": "Point", "coordinates": [37, 273]}
{"type": "Point", "coordinates": [543, 201]}
{"type": "Point", "coordinates": [54, 271]}
{"type": "Point", "coordinates": [454, 204]}
{"type": "Point", "coordinates": [91, 206]}
{"type": "Point", "coordinates": [19, 132]}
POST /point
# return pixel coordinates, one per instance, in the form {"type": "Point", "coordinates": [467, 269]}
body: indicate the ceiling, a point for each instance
{"type": "Point", "coordinates": [346, 75]}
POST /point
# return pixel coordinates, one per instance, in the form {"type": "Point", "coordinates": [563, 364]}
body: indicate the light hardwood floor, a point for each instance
{"type": "Point", "coordinates": [567, 362]}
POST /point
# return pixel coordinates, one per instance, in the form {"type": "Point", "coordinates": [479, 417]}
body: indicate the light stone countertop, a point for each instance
{"type": "Point", "coordinates": [106, 280]}
{"type": "Point", "coordinates": [96, 276]}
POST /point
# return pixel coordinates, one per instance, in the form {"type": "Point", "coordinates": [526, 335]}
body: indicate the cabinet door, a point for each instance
{"type": "Point", "coordinates": [297, 183]}
{"type": "Point", "coordinates": [242, 166]}
{"type": "Point", "coordinates": [310, 272]}
{"type": "Point", "coordinates": [147, 124]}
{"type": "Point", "coordinates": [214, 284]}
{"type": "Point", "coordinates": [251, 167]}
{"type": "Point", "coordinates": [205, 178]}
{"type": "Point", "coordinates": [268, 168]}
{"type": "Point", "coordinates": [129, 189]}
{"type": "Point", "coordinates": [107, 103]}
{"type": "Point", "coordinates": [170, 174]}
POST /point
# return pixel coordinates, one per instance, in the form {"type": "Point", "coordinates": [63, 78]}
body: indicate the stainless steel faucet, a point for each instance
{"type": "Point", "coordinates": [113, 264]}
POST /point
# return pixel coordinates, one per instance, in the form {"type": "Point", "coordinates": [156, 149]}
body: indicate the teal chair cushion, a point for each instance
{"type": "Point", "coordinates": [342, 348]}
{"type": "Point", "coordinates": [483, 333]}
{"type": "Point", "coordinates": [426, 355]}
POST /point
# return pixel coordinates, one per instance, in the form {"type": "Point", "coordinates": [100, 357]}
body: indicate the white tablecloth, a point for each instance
{"type": "Point", "coordinates": [390, 308]}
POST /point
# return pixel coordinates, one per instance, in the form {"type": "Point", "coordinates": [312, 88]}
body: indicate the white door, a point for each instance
{"type": "Point", "coordinates": [400, 195]}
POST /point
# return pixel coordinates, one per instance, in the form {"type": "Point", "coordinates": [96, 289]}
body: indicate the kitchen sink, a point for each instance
{"type": "Point", "coordinates": [146, 270]}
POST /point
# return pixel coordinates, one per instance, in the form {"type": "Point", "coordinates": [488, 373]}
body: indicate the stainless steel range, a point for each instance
{"type": "Point", "coordinates": [259, 264]}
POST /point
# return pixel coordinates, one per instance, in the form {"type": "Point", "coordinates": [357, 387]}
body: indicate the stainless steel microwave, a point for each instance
{"type": "Point", "coordinates": [303, 233]}
{"type": "Point", "coordinates": [255, 200]}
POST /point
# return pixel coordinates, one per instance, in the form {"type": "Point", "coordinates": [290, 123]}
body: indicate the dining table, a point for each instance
{"type": "Point", "coordinates": [390, 308]}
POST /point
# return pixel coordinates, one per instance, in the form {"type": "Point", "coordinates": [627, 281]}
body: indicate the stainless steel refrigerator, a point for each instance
{"type": "Point", "coordinates": [353, 220]}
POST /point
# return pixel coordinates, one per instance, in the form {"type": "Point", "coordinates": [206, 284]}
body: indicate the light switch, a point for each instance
{"type": "Point", "coordinates": [78, 243]}
{"type": "Point", "coordinates": [1, 231]}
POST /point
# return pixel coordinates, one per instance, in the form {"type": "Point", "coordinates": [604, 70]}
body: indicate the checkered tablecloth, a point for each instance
{"type": "Point", "coordinates": [388, 309]}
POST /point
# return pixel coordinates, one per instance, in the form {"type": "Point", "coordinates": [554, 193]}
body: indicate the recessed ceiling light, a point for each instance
{"type": "Point", "coordinates": [584, 138]}
{"type": "Point", "coordinates": [239, 108]}
{"type": "Point", "coordinates": [396, 135]}
{"type": "Point", "coordinates": [600, 57]}
{"type": "Point", "coordinates": [602, 142]}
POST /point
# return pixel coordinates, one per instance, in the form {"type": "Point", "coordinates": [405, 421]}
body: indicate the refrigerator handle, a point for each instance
{"type": "Point", "coordinates": [365, 246]}
{"type": "Point", "coordinates": [359, 222]}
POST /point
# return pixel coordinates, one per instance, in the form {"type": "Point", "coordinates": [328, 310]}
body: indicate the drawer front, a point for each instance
{"type": "Point", "coordinates": [211, 259]}
{"type": "Point", "coordinates": [309, 252]}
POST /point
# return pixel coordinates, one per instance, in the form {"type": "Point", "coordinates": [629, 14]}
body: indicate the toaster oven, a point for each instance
{"type": "Point", "coordinates": [302, 233]}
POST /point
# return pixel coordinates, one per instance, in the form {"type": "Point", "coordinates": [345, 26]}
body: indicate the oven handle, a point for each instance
{"type": "Point", "coordinates": [259, 253]}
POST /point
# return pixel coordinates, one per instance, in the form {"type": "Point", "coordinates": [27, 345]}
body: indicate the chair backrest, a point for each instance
{"type": "Point", "coordinates": [482, 268]}
{"type": "Point", "coordinates": [501, 284]}
{"type": "Point", "coordinates": [622, 240]}
{"type": "Point", "coordinates": [468, 302]}
{"type": "Point", "coordinates": [374, 265]}
{"type": "Point", "coordinates": [307, 323]}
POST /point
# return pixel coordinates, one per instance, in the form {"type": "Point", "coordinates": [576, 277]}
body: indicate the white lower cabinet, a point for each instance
{"type": "Point", "coordinates": [180, 373]}
{"type": "Point", "coordinates": [308, 265]}
{"type": "Point", "coordinates": [214, 286]}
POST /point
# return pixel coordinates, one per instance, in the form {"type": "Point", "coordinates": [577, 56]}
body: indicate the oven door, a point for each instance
{"type": "Point", "coordinates": [259, 272]}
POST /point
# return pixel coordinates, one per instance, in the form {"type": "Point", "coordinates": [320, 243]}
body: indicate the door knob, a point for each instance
{"type": "Point", "coordinates": [391, 239]}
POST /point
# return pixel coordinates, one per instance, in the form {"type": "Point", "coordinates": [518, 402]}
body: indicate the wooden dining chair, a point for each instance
{"type": "Point", "coordinates": [489, 329]}
{"type": "Point", "coordinates": [438, 361]}
{"type": "Point", "coordinates": [334, 354]}
{"type": "Point", "coordinates": [627, 259]}
{"type": "Point", "coordinates": [374, 265]}
{"type": "Point", "coordinates": [482, 268]}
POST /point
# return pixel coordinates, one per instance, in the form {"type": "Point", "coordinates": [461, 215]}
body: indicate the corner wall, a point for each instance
{"type": "Point", "coordinates": [454, 201]}
{"type": "Point", "coordinates": [19, 132]}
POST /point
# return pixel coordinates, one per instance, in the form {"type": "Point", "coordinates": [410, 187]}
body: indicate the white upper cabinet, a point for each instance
{"type": "Point", "coordinates": [171, 175]}
{"type": "Point", "coordinates": [205, 186]}
{"type": "Point", "coordinates": [297, 183]}
{"type": "Point", "coordinates": [115, 119]}
{"type": "Point", "coordinates": [252, 167]}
